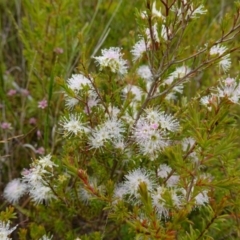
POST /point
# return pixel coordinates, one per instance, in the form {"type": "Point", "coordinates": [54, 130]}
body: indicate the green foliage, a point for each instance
{"type": "Point", "coordinates": [7, 214]}
{"type": "Point", "coordinates": [44, 42]}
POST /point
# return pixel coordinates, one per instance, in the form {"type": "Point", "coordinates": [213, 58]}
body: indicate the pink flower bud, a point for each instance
{"type": "Point", "coordinates": [11, 92]}
{"type": "Point", "coordinates": [6, 125]}
{"type": "Point", "coordinates": [32, 121]}
{"type": "Point", "coordinates": [42, 104]}
{"type": "Point", "coordinates": [40, 150]}
{"type": "Point", "coordinates": [39, 134]}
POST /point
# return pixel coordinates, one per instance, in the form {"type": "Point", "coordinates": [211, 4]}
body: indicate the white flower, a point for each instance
{"type": "Point", "coordinates": [163, 170]}
{"type": "Point", "coordinates": [134, 178]}
{"type": "Point", "coordinates": [155, 12]}
{"type": "Point", "coordinates": [209, 100]}
{"type": "Point", "coordinates": [114, 128]}
{"type": "Point", "coordinates": [152, 115]}
{"type": "Point", "coordinates": [36, 180]}
{"type": "Point", "coordinates": [98, 138]}
{"type": "Point", "coordinates": [112, 58]}
{"type": "Point", "coordinates": [144, 15]}
{"type": "Point", "coordinates": [217, 50]}
{"type": "Point", "coordinates": [189, 11]}
{"type": "Point", "coordinates": [202, 198]}
{"type": "Point", "coordinates": [34, 175]}
{"type": "Point", "coordinates": [77, 82]}
{"type": "Point", "coordinates": [198, 11]}
{"type": "Point", "coordinates": [45, 237]}
{"type": "Point", "coordinates": [84, 195]}
{"type": "Point", "coordinates": [225, 63]}
{"type": "Point", "coordinates": [164, 32]}
{"type": "Point", "coordinates": [168, 122]}
{"type": "Point", "coordinates": [138, 49]}
{"type": "Point", "coordinates": [188, 143]}
{"type": "Point", "coordinates": [40, 193]}
{"type": "Point", "coordinates": [92, 101]}
{"type": "Point", "coordinates": [155, 35]}
{"type": "Point", "coordinates": [149, 138]}
{"type": "Point", "coordinates": [165, 121]}
{"type": "Point", "coordinates": [46, 161]}
{"type": "Point", "coordinates": [230, 89]}
{"type": "Point", "coordinates": [159, 203]}
{"type": "Point", "coordinates": [70, 102]}
{"type": "Point", "coordinates": [206, 101]}
{"type": "Point", "coordinates": [172, 94]}
{"type": "Point", "coordinates": [134, 90]}
{"type": "Point", "coordinates": [111, 129]}
{"type": "Point", "coordinates": [145, 72]}
{"type": "Point", "coordinates": [176, 198]}
{"type": "Point", "coordinates": [5, 230]}
{"type": "Point", "coordinates": [151, 131]}
{"type": "Point", "coordinates": [73, 125]}
{"type": "Point", "coordinates": [119, 144]}
{"type": "Point", "coordinates": [173, 181]}
{"type": "Point", "coordinates": [179, 73]}
{"type": "Point", "coordinates": [15, 190]}
{"type": "Point", "coordinates": [113, 111]}
{"type": "Point", "coordinates": [120, 191]}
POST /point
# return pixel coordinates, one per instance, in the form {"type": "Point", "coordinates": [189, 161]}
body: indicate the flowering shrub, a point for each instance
{"type": "Point", "coordinates": [142, 158]}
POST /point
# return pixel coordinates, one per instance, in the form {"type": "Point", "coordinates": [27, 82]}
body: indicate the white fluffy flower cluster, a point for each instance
{"type": "Point", "coordinates": [130, 186]}
{"type": "Point", "coordinates": [207, 101]}
{"type": "Point", "coordinates": [145, 73]}
{"type": "Point", "coordinates": [135, 91]}
{"type": "Point", "coordinates": [143, 46]}
{"type": "Point", "coordinates": [150, 138]}
{"type": "Point", "coordinates": [151, 132]}
{"type": "Point", "coordinates": [78, 82]}
{"type": "Point", "coordinates": [112, 58]}
{"type": "Point", "coordinates": [225, 61]}
{"type": "Point", "coordinates": [155, 34]}
{"type": "Point", "coordinates": [110, 131]}
{"type": "Point", "coordinates": [72, 125]}
{"type": "Point", "coordinates": [38, 189]}
{"type": "Point", "coordinates": [138, 93]}
{"type": "Point", "coordinates": [151, 37]}
{"type": "Point", "coordinates": [164, 173]}
{"type": "Point", "coordinates": [14, 190]}
{"type": "Point", "coordinates": [155, 13]}
{"type": "Point", "coordinates": [188, 10]}
{"type": "Point", "coordinates": [178, 74]}
{"type": "Point", "coordinates": [33, 182]}
{"type": "Point", "coordinates": [139, 49]}
{"type": "Point", "coordinates": [164, 197]}
{"type": "Point", "coordinates": [228, 88]}
{"type": "Point", "coordinates": [162, 206]}
{"type": "Point", "coordinates": [5, 230]}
